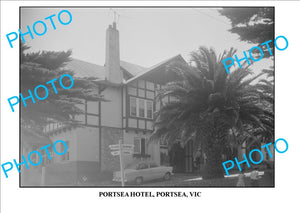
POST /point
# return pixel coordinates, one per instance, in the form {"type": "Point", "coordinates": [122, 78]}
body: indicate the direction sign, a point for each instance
{"type": "Point", "coordinates": [127, 146]}
{"type": "Point", "coordinates": [114, 147]}
{"type": "Point", "coordinates": [115, 153]}
{"type": "Point", "coordinates": [127, 152]}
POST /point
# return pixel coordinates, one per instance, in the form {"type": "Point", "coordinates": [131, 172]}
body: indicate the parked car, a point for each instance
{"type": "Point", "coordinates": [144, 171]}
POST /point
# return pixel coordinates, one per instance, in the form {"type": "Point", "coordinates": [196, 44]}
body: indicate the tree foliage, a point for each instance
{"type": "Point", "coordinates": [209, 104]}
{"type": "Point", "coordinates": [253, 25]}
{"type": "Point", "coordinates": [40, 67]}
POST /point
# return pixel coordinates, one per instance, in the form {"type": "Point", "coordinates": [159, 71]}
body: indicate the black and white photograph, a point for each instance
{"type": "Point", "coordinates": [147, 97]}
{"type": "Point", "coordinates": [143, 106]}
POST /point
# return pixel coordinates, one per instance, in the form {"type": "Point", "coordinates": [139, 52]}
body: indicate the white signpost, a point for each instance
{"type": "Point", "coordinates": [114, 147]}
{"type": "Point", "coordinates": [121, 149]}
{"type": "Point", "coordinates": [121, 162]}
{"type": "Point", "coordinates": [127, 146]}
{"type": "Point", "coordinates": [127, 152]}
{"type": "Point", "coordinates": [115, 152]}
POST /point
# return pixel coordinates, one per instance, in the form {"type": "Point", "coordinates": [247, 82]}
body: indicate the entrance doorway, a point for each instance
{"type": "Point", "coordinates": [188, 157]}
{"type": "Point", "coordinates": [182, 158]}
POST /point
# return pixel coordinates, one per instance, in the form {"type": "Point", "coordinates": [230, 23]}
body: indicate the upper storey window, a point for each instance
{"type": "Point", "coordinates": [133, 106]}
{"type": "Point", "coordinates": [141, 98]}
{"type": "Point", "coordinates": [141, 108]}
{"type": "Point", "coordinates": [149, 107]}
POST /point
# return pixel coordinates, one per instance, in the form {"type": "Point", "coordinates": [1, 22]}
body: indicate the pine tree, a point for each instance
{"type": "Point", "coordinates": [40, 67]}
{"type": "Point", "coordinates": [254, 25]}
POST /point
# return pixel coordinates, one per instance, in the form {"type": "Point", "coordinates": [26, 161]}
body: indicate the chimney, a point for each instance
{"type": "Point", "coordinates": [113, 72]}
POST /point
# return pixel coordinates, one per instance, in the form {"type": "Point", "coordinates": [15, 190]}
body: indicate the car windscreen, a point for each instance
{"type": "Point", "coordinates": [137, 166]}
{"type": "Point", "coordinates": [142, 166]}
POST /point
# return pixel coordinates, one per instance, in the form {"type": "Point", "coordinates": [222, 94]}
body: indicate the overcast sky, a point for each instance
{"type": "Point", "coordinates": [147, 35]}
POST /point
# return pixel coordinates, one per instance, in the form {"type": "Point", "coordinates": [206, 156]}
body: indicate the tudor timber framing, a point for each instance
{"type": "Point", "coordinates": [136, 87]}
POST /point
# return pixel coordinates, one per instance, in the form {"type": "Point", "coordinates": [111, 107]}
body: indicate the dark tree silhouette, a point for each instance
{"type": "Point", "coordinates": [253, 25]}
{"type": "Point", "coordinates": [40, 67]}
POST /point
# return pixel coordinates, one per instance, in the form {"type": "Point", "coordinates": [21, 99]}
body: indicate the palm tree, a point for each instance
{"type": "Point", "coordinates": [209, 104]}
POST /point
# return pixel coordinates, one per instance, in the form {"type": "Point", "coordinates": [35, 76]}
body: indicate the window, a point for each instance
{"type": "Point", "coordinates": [140, 146]}
{"type": "Point", "coordinates": [133, 106]}
{"type": "Point", "coordinates": [149, 85]}
{"type": "Point", "coordinates": [141, 84]}
{"type": "Point", "coordinates": [141, 108]}
{"type": "Point", "coordinates": [143, 146]}
{"type": "Point", "coordinates": [149, 109]}
{"type": "Point", "coordinates": [137, 145]}
{"type": "Point", "coordinates": [142, 93]}
{"type": "Point", "coordinates": [132, 91]}
{"type": "Point", "coordinates": [150, 95]}
{"type": "Point", "coordinates": [142, 166]}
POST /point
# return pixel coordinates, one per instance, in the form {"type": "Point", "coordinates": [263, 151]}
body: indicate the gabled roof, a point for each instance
{"type": "Point", "coordinates": [157, 68]}
{"type": "Point", "coordinates": [83, 69]}
{"type": "Point", "coordinates": [133, 69]}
